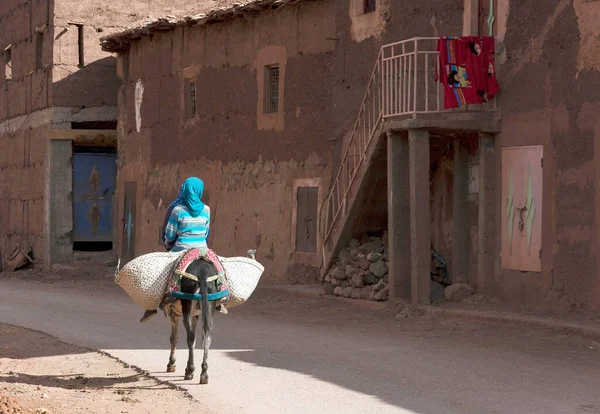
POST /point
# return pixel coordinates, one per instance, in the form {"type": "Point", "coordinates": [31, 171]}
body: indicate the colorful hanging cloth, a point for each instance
{"type": "Point", "coordinates": [467, 69]}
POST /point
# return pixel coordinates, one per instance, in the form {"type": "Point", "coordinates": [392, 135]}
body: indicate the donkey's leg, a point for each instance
{"type": "Point", "coordinates": [174, 318]}
{"type": "Point", "coordinates": [191, 338]}
{"type": "Point", "coordinates": [206, 343]}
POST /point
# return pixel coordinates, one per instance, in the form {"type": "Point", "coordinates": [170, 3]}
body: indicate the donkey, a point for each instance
{"type": "Point", "coordinates": [202, 269]}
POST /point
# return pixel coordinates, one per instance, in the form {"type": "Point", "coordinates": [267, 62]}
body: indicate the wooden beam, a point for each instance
{"type": "Point", "coordinates": [82, 134]}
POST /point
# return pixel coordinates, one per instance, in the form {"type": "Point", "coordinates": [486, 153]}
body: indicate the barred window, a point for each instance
{"type": "Point", "coordinates": [191, 98]}
{"type": "Point", "coordinates": [369, 6]}
{"type": "Point", "coordinates": [273, 78]}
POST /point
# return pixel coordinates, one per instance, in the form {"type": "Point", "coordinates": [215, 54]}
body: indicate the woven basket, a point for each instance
{"type": "Point", "coordinates": [243, 275]}
{"type": "Point", "coordinates": [146, 277]}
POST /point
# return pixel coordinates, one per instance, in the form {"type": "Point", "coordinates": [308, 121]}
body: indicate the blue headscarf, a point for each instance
{"type": "Point", "coordinates": [178, 200]}
{"type": "Point", "coordinates": [191, 194]}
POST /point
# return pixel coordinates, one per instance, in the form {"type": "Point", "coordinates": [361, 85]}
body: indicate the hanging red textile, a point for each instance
{"type": "Point", "coordinates": [467, 70]}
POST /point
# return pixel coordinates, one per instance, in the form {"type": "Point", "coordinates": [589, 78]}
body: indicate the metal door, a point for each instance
{"type": "Point", "coordinates": [129, 211]}
{"type": "Point", "coordinates": [306, 219]}
{"type": "Point", "coordinates": [94, 178]}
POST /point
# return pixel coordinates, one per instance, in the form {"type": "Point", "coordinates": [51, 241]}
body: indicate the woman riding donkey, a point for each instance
{"type": "Point", "coordinates": [186, 225]}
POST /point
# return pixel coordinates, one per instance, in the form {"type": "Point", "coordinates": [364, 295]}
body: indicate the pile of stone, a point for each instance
{"type": "Point", "coordinates": [361, 270]}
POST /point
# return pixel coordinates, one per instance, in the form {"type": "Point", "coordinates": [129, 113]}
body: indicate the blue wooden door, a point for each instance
{"type": "Point", "coordinates": [94, 177]}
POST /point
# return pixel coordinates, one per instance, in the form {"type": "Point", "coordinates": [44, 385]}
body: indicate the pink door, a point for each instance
{"type": "Point", "coordinates": [521, 208]}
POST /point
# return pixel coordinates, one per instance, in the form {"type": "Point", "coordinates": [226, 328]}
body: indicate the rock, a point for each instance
{"type": "Point", "coordinates": [379, 286]}
{"type": "Point", "coordinates": [371, 246]}
{"type": "Point", "coordinates": [384, 238]}
{"type": "Point", "coordinates": [386, 277]}
{"type": "Point", "coordinates": [354, 253]}
{"type": "Point", "coordinates": [364, 239]}
{"type": "Point", "coordinates": [374, 257]}
{"type": "Point", "coordinates": [339, 274]}
{"type": "Point", "coordinates": [366, 292]}
{"type": "Point", "coordinates": [338, 291]}
{"type": "Point", "coordinates": [327, 278]}
{"type": "Point", "coordinates": [350, 270]}
{"type": "Point", "coordinates": [347, 292]}
{"type": "Point", "coordinates": [363, 264]}
{"type": "Point", "coordinates": [356, 293]}
{"type": "Point", "coordinates": [436, 292]}
{"type": "Point", "coordinates": [379, 269]}
{"type": "Point", "coordinates": [336, 282]}
{"type": "Point", "coordinates": [458, 292]}
{"type": "Point", "coordinates": [382, 295]}
{"type": "Point", "coordinates": [354, 244]}
{"type": "Point", "coordinates": [345, 284]}
{"type": "Point", "coordinates": [357, 281]}
{"type": "Point", "coordinates": [345, 257]}
{"type": "Point", "coordinates": [329, 288]}
{"type": "Point", "coordinates": [370, 279]}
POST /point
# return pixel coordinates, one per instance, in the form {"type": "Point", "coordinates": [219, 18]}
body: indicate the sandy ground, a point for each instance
{"type": "Point", "coordinates": [40, 374]}
{"type": "Point", "coordinates": [281, 353]}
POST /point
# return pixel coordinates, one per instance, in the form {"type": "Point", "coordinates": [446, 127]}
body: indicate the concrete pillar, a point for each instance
{"type": "Point", "coordinates": [420, 237]}
{"type": "Point", "coordinates": [460, 219]}
{"type": "Point", "coordinates": [486, 244]}
{"type": "Point", "coordinates": [471, 18]}
{"type": "Point", "coordinates": [58, 203]}
{"type": "Point", "coordinates": [398, 217]}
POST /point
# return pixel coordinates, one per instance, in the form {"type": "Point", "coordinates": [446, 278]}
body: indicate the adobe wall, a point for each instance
{"type": "Point", "coordinates": [95, 84]}
{"type": "Point", "coordinates": [22, 143]}
{"type": "Point", "coordinates": [549, 78]}
{"type": "Point", "coordinates": [250, 162]}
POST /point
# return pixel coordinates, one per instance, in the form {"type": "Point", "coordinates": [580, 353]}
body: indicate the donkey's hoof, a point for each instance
{"type": "Point", "coordinates": [189, 375]}
{"type": "Point", "coordinates": [171, 368]}
{"type": "Point", "coordinates": [204, 379]}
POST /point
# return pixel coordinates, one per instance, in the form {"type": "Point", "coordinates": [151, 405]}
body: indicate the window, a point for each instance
{"type": "Point", "coordinates": [190, 93]}
{"type": "Point", "coordinates": [80, 45]}
{"type": "Point", "coordinates": [8, 63]}
{"type": "Point", "coordinates": [39, 51]}
{"type": "Point", "coordinates": [272, 84]}
{"type": "Point", "coordinates": [306, 219]}
{"type": "Point", "coordinates": [369, 6]}
{"type": "Point", "coordinates": [522, 174]}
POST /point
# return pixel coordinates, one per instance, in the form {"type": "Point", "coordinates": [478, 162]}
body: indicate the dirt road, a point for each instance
{"type": "Point", "coordinates": [282, 354]}
{"type": "Point", "coordinates": [39, 374]}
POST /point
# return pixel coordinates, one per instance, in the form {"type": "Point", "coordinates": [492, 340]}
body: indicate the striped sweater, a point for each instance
{"type": "Point", "coordinates": [186, 231]}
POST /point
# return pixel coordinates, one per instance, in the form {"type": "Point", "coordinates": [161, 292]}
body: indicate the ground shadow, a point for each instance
{"type": "Point", "coordinates": [78, 381]}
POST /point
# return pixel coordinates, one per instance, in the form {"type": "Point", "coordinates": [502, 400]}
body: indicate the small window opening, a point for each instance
{"type": "Point", "coordinates": [80, 45]}
{"type": "Point", "coordinates": [273, 89]}
{"type": "Point", "coordinates": [39, 51]}
{"type": "Point", "coordinates": [8, 63]}
{"type": "Point", "coordinates": [369, 6]}
{"type": "Point", "coordinates": [191, 98]}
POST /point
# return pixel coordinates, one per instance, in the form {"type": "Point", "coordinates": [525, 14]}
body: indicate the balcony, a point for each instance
{"type": "Point", "coordinates": [403, 93]}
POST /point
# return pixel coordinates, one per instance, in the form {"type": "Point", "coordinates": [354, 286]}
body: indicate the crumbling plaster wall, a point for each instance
{"type": "Point", "coordinates": [549, 77]}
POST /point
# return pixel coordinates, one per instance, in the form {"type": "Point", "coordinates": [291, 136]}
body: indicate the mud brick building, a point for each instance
{"type": "Point", "coordinates": [58, 117]}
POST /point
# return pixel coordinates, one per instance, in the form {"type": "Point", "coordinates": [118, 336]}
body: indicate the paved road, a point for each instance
{"type": "Point", "coordinates": [301, 355]}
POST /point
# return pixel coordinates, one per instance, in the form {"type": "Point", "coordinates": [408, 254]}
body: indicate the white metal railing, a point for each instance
{"type": "Point", "coordinates": [403, 83]}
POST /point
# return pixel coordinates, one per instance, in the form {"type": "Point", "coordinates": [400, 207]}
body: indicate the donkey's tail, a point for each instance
{"type": "Point", "coordinates": [205, 311]}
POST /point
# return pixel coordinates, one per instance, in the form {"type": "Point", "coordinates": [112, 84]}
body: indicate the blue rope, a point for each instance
{"type": "Point", "coordinates": [192, 296]}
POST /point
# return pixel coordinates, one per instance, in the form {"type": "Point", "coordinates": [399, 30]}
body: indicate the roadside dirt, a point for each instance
{"type": "Point", "coordinates": [42, 375]}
